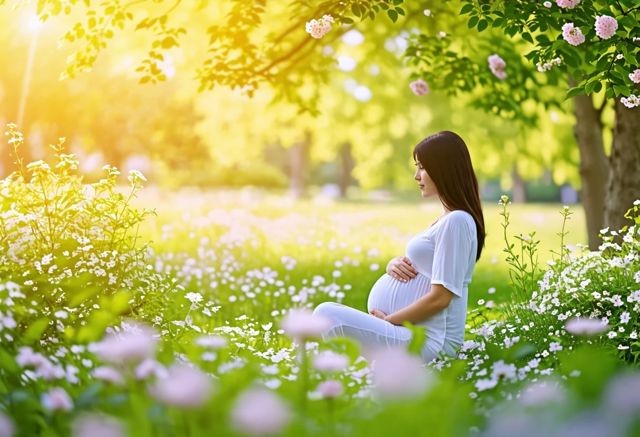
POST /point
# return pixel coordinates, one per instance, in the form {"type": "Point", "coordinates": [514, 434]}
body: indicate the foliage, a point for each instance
{"type": "Point", "coordinates": [71, 248]}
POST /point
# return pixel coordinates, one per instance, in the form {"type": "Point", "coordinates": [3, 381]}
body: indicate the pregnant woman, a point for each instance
{"type": "Point", "coordinates": [429, 285]}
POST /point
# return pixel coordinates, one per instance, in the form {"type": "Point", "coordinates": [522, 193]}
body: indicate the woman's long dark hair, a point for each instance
{"type": "Point", "coordinates": [446, 159]}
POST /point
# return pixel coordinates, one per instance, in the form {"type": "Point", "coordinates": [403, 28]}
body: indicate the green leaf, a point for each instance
{"type": "Point", "coordinates": [527, 37]}
{"type": "Point", "coordinates": [466, 8]}
{"type": "Point", "coordinates": [393, 15]}
{"type": "Point", "coordinates": [35, 330]}
{"type": "Point", "coordinates": [472, 21]}
{"type": "Point", "coordinates": [572, 92]}
{"type": "Point", "coordinates": [482, 25]}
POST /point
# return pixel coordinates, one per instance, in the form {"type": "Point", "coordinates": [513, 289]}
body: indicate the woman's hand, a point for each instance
{"type": "Point", "coordinates": [401, 269]}
{"type": "Point", "coordinates": [377, 313]}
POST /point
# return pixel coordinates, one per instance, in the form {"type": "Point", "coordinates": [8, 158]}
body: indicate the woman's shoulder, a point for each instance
{"type": "Point", "coordinates": [460, 218]}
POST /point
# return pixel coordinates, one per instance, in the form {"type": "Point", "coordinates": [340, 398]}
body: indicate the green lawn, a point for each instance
{"type": "Point", "coordinates": [319, 234]}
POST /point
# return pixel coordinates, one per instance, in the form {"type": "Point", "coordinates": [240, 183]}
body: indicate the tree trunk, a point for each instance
{"type": "Point", "coordinates": [345, 166]}
{"type": "Point", "coordinates": [298, 159]}
{"type": "Point", "coordinates": [518, 191]}
{"type": "Point", "coordinates": [594, 168]}
{"type": "Point", "coordinates": [624, 179]}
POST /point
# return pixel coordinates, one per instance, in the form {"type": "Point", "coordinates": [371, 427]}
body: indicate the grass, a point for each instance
{"type": "Point", "coordinates": [319, 233]}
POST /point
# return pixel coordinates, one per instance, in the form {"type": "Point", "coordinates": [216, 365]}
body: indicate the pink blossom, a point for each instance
{"type": "Point", "coordinates": [635, 76]}
{"type": "Point", "coordinates": [301, 324]}
{"type": "Point", "coordinates": [568, 4]}
{"type": "Point", "coordinates": [319, 28]}
{"type": "Point", "coordinates": [606, 26]}
{"type": "Point", "coordinates": [419, 87]}
{"type": "Point", "coordinates": [97, 425]}
{"type": "Point", "coordinates": [397, 374]}
{"type": "Point", "coordinates": [497, 66]}
{"type": "Point", "coordinates": [572, 35]}
{"type": "Point", "coordinates": [259, 412]}
{"type": "Point", "coordinates": [132, 345]}
{"type": "Point", "coordinates": [57, 399]}
{"type": "Point", "coordinates": [183, 386]}
{"type": "Point", "coordinates": [542, 393]}
{"type": "Point", "coordinates": [330, 389]}
{"type": "Point", "coordinates": [630, 102]}
{"type": "Point", "coordinates": [109, 374]}
{"type": "Point", "coordinates": [577, 326]}
{"type": "Point", "coordinates": [623, 393]}
{"type": "Point", "coordinates": [7, 428]}
{"type": "Point", "coordinates": [150, 367]}
{"type": "Point", "coordinates": [329, 361]}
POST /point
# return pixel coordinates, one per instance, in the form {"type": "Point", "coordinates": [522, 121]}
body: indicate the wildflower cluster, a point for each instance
{"type": "Point", "coordinates": [320, 27]}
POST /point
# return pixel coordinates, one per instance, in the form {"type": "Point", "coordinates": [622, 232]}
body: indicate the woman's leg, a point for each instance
{"type": "Point", "coordinates": [369, 330]}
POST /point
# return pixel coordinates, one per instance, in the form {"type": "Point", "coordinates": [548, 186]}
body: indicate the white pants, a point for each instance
{"type": "Point", "coordinates": [369, 330]}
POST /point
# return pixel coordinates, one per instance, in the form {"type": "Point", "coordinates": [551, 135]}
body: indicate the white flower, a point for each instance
{"type": "Point", "coordinates": [183, 386]}
{"type": "Point", "coordinates": [193, 297]}
{"type": "Point", "coordinates": [577, 326]}
{"type": "Point", "coordinates": [625, 317]}
{"type": "Point", "coordinates": [136, 177]}
{"type": "Point", "coordinates": [212, 341]}
{"type": "Point", "coordinates": [555, 347]}
{"type": "Point", "coordinates": [486, 384]}
{"type": "Point", "coordinates": [260, 412]}
{"type": "Point", "coordinates": [57, 399]}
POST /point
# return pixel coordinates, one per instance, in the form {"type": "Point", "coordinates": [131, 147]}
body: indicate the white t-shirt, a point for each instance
{"type": "Point", "coordinates": [446, 254]}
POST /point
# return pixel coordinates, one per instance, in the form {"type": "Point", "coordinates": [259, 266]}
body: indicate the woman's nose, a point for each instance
{"type": "Point", "coordinates": [417, 176]}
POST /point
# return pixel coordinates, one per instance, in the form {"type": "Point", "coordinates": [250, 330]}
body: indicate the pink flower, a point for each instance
{"type": "Point", "coordinates": [150, 367]}
{"type": "Point", "coordinates": [572, 35]}
{"type": "Point", "coordinates": [259, 412]}
{"type": "Point", "coordinates": [7, 428]}
{"type": "Point", "coordinates": [419, 87]}
{"type": "Point", "coordinates": [132, 345]}
{"type": "Point", "coordinates": [97, 425]}
{"type": "Point", "coordinates": [319, 28]}
{"type": "Point", "coordinates": [329, 361]}
{"type": "Point", "coordinates": [330, 389]}
{"type": "Point", "coordinates": [57, 399]}
{"type": "Point", "coordinates": [577, 326]}
{"type": "Point", "coordinates": [568, 4]}
{"type": "Point", "coordinates": [397, 374]}
{"type": "Point", "coordinates": [497, 66]}
{"type": "Point", "coordinates": [606, 26]}
{"type": "Point", "coordinates": [301, 324]}
{"type": "Point", "coordinates": [635, 76]}
{"type": "Point", "coordinates": [108, 374]}
{"type": "Point", "coordinates": [183, 386]}
{"type": "Point", "coordinates": [630, 102]}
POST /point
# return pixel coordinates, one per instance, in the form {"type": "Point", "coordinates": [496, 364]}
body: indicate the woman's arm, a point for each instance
{"type": "Point", "coordinates": [426, 306]}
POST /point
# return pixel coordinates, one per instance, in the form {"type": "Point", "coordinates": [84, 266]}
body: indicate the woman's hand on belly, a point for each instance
{"type": "Point", "coordinates": [401, 268]}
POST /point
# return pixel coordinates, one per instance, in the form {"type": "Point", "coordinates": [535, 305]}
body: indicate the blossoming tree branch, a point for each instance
{"type": "Point", "coordinates": [541, 52]}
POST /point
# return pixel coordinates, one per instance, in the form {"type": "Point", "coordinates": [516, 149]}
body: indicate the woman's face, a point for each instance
{"type": "Point", "coordinates": [427, 187]}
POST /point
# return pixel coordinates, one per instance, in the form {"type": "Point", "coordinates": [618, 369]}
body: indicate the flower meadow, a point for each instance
{"type": "Point", "coordinates": [117, 321]}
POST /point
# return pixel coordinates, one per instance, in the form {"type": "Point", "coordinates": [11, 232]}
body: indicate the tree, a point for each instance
{"type": "Point", "coordinates": [598, 63]}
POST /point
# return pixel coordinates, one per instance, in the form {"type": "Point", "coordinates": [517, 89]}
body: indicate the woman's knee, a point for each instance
{"type": "Point", "coordinates": [327, 310]}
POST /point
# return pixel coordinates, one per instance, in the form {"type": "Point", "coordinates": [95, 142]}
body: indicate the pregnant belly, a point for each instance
{"type": "Point", "coordinates": [389, 295]}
